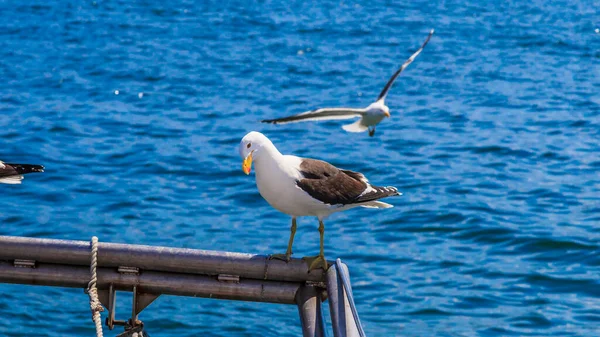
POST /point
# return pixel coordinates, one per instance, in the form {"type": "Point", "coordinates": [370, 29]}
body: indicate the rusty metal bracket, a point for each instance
{"type": "Point", "coordinates": [140, 302]}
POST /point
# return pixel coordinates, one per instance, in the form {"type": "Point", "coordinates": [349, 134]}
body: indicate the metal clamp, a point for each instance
{"type": "Point", "coordinates": [24, 263]}
{"type": "Point", "coordinates": [228, 278]}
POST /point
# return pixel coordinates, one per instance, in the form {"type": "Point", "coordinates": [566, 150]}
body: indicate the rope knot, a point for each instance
{"type": "Point", "coordinates": [96, 307]}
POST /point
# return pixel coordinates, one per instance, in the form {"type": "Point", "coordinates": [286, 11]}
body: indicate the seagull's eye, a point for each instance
{"type": "Point", "coordinates": [248, 146]}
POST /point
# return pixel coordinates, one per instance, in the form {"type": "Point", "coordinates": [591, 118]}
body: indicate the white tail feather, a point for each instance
{"type": "Point", "coordinates": [376, 204]}
{"type": "Point", "coordinates": [357, 126]}
{"type": "Point", "coordinates": [11, 180]}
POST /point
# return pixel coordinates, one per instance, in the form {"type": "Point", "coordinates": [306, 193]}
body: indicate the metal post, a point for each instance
{"type": "Point", "coordinates": [339, 306]}
{"type": "Point", "coordinates": [311, 311]}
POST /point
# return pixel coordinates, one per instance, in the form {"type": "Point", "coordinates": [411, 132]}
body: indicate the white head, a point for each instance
{"type": "Point", "coordinates": [379, 108]}
{"type": "Point", "coordinates": [253, 145]}
{"type": "Point", "coordinates": [386, 111]}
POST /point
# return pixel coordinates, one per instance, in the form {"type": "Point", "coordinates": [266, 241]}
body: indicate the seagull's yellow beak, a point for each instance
{"type": "Point", "coordinates": [247, 163]}
{"type": "Point", "coordinates": [387, 114]}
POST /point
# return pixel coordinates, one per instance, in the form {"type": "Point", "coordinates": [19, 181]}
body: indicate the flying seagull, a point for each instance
{"type": "Point", "coordinates": [13, 173]}
{"type": "Point", "coordinates": [306, 187]}
{"type": "Point", "coordinates": [369, 116]}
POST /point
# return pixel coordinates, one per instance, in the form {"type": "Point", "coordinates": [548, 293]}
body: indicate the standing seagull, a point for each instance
{"type": "Point", "coordinates": [306, 187]}
{"type": "Point", "coordinates": [13, 173]}
{"type": "Point", "coordinates": [370, 116]}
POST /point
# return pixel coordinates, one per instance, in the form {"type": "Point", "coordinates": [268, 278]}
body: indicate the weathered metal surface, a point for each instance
{"type": "Point", "coordinates": [179, 260]}
{"type": "Point", "coordinates": [151, 282]}
{"type": "Point", "coordinates": [308, 300]}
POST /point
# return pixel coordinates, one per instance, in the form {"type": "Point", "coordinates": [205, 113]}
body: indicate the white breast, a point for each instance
{"type": "Point", "coordinates": [375, 114]}
{"type": "Point", "coordinates": [373, 118]}
{"type": "Point", "coordinates": [276, 182]}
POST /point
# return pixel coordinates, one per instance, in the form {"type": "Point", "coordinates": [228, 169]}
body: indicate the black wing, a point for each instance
{"type": "Point", "coordinates": [8, 170]}
{"type": "Point", "coordinates": [388, 85]}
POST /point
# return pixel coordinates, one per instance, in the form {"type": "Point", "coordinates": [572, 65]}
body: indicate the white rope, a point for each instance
{"type": "Point", "coordinates": [95, 304]}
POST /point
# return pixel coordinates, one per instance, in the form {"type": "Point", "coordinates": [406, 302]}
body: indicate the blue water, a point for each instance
{"type": "Point", "coordinates": [494, 141]}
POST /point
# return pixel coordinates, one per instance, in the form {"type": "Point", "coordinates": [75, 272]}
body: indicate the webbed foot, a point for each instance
{"type": "Point", "coordinates": [283, 257]}
{"type": "Point", "coordinates": [316, 262]}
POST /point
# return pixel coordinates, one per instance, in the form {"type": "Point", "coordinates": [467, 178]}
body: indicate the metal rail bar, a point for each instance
{"type": "Point", "coordinates": [165, 259]}
{"type": "Point", "coordinates": [152, 283]}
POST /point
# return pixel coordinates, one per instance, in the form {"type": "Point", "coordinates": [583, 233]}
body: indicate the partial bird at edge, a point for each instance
{"type": "Point", "coordinates": [13, 173]}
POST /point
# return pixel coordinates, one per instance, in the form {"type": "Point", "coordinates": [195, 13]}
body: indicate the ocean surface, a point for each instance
{"type": "Point", "coordinates": [137, 108]}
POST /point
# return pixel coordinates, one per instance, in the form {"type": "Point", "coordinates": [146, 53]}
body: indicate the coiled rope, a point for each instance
{"type": "Point", "coordinates": [95, 304]}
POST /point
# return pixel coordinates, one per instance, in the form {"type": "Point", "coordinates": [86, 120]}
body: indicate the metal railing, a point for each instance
{"type": "Point", "coordinates": [150, 271]}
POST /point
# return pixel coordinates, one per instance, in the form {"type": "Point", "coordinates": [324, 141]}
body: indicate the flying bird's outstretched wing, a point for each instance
{"type": "Point", "coordinates": [319, 115]}
{"type": "Point", "coordinates": [388, 85]}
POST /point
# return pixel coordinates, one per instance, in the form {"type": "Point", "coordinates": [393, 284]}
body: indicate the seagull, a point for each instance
{"type": "Point", "coordinates": [307, 187]}
{"type": "Point", "coordinates": [13, 173]}
{"type": "Point", "coordinates": [370, 116]}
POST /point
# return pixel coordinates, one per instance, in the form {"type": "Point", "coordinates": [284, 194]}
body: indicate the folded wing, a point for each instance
{"type": "Point", "coordinates": [334, 186]}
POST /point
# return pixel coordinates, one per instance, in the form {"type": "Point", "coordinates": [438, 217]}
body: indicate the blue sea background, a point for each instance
{"type": "Point", "coordinates": [494, 141]}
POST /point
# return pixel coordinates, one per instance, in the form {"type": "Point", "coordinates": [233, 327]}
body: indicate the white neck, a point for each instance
{"type": "Point", "coordinates": [267, 152]}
